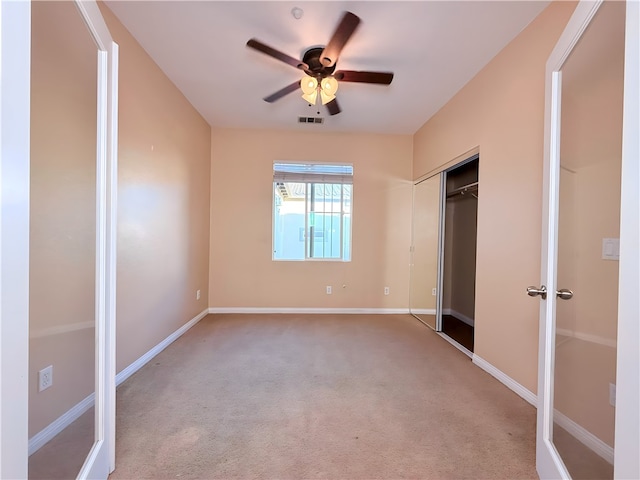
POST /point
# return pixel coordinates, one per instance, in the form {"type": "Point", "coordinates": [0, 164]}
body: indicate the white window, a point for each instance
{"type": "Point", "coordinates": [312, 211]}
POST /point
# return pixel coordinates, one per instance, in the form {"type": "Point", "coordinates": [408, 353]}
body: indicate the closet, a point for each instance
{"type": "Point", "coordinates": [443, 261]}
{"type": "Point", "coordinates": [459, 253]}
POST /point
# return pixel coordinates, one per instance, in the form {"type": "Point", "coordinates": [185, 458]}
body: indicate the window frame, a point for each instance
{"type": "Point", "coordinates": [307, 242]}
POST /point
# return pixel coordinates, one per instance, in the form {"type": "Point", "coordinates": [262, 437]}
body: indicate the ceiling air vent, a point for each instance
{"type": "Point", "coordinates": [310, 120]}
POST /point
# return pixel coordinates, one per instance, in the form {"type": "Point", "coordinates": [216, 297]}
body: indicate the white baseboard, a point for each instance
{"type": "Point", "coordinates": [459, 316]}
{"type": "Point", "coordinates": [423, 311]}
{"type": "Point", "coordinates": [524, 392]}
{"type": "Point", "coordinates": [581, 434]}
{"type": "Point", "coordinates": [142, 361]}
{"type": "Point", "coordinates": [256, 310]}
{"type": "Point", "coordinates": [464, 350]}
{"type": "Point", "coordinates": [584, 436]}
{"type": "Point", "coordinates": [58, 425]}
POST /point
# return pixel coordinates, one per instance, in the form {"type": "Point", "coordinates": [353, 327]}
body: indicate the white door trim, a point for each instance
{"type": "Point", "coordinates": [15, 97]}
{"type": "Point", "coordinates": [627, 433]}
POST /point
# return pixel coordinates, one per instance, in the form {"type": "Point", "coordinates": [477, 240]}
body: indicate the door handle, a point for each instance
{"type": "Point", "coordinates": [564, 294]}
{"type": "Point", "coordinates": [534, 292]}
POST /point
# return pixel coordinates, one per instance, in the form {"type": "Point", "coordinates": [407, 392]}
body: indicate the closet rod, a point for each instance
{"type": "Point", "coordinates": [463, 189]}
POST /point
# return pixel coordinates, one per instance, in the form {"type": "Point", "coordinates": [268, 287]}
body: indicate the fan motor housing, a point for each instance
{"type": "Point", "coordinates": [316, 69]}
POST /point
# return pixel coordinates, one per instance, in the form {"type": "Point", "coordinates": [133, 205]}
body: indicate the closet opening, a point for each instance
{"type": "Point", "coordinates": [460, 218]}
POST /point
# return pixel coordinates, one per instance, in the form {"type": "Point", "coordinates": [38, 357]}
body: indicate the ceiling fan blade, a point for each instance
{"type": "Point", "coordinates": [278, 55]}
{"type": "Point", "coordinates": [345, 29]}
{"type": "Point", "coordinates": [282, 92]}
{"type": "Point", "coordinates": [382, 78]}
{"type": "Point", "coordinates": [333, 107]}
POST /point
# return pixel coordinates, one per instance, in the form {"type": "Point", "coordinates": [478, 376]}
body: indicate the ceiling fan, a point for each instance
{"type": "Point", "coordinates": [319, 65]}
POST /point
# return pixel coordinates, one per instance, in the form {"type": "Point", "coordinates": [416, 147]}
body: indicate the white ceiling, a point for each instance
{"type": "Point", "coordinates": [433, 47]}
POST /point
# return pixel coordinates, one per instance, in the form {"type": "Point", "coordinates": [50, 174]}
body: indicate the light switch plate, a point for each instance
{"type": "Point", "coordinates": [610, 248]}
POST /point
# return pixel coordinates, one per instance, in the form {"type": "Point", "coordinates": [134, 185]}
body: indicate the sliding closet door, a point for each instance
{"type": "Point", "coordinates": [424, 259]}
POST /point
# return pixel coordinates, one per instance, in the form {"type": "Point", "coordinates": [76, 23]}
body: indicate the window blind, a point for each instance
{"type": "Point", "coordinates": [312, 173]}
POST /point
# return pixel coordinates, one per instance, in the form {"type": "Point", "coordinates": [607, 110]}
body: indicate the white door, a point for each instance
{"type": "Point", "coordinates": [588, 358]}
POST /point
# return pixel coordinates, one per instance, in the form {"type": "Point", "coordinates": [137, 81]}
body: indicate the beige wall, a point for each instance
{"type": "Point", "coordinates": [163, 203]}
{"type": "Point", "coordinates": [62, 223]}
{"type": "Point", "coordinates": [501, 111]}
{"type": "Point", "coordinates": [242, 273]}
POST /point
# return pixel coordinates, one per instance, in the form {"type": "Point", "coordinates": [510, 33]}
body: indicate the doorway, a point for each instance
{"type": "Point", "coordinates": [460, 217]}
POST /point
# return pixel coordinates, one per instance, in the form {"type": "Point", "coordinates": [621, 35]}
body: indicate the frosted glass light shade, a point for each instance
{"type": "Point", "coordinates": [311, 97]}
{"type": "Point", "coordinates": [330, 85]}
{"type": "Point", "coordinates": [326, 97]}
{"type": "Point", "coordinates": [308, 84]}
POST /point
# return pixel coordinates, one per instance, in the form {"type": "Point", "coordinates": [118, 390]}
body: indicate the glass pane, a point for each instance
{"type": "Point", "coordinates": [346, 221]}
{"type": "Point", "coordinates": [424, 267]}
{"type": "Point", "coordinates": [588, 233]}
{"type": "Point", "coordinates": [288, 221]}
{"type": "Point", "coordinates": [311, 220]}
{"type": "Point", "coordinates": [62, 236]}
{"type": "Point", "coordinates": [325, 205]}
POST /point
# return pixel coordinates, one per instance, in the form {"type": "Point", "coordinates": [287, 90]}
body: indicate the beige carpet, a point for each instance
{"type": "Point", "coordinates": [319, 396]}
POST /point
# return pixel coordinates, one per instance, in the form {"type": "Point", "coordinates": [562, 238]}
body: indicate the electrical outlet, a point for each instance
{"type": "Point", "coordinates": [197, 294]}
{"type": "Point", "coordinates": [45, 378]}
{"type": "Point", "coordinates": [386, 290]}
{"type": "Point", "coordinates": [328, 289]}
{"type": "Point", "coordinates": [434, 292]}
{"type": "Point", "coordinates": [612, 394]}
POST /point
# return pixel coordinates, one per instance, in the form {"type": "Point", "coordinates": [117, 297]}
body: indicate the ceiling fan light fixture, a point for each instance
{"type": "Point", "coordinates": [329, 85]}
{"type": "Point", "coordinates": [319, 65]}
{"type": "Point", "coordinates": [326, 97]}
{"type": "Point", "coordinates": [308, 85]}
{"type": "Point", "coordinates": [311, 98]}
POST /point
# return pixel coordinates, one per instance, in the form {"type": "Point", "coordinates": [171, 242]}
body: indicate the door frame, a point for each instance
{"type": "Point", "coordinates": [15, 98]}
{"type": "Point", "coordinates": [627, 424]}
{"type": "Point", "coordinates": [627, 433]}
